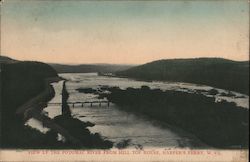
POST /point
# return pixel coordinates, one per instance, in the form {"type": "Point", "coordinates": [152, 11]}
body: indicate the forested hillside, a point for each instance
{"type": "Point", "coordinates": [217, 72]}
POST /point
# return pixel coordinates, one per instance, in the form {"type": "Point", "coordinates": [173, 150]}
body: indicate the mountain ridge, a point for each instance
{"type": "Point", "coordinates": [217, 72]}
{"type": "Point", "coordinates": [87, 68]}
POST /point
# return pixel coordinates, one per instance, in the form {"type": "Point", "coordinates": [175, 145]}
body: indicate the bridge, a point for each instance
{"type": "Point", "coordinates": [91, 103]}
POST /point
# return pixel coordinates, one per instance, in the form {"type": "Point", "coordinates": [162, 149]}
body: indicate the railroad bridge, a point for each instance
{"type": "Point", "coordinates": [80, 103]}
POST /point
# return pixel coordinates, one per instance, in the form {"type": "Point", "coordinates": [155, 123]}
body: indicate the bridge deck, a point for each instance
{"type": "Point", "coordinates": [81, 103]}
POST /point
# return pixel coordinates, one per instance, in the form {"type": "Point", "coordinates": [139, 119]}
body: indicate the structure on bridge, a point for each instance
{"type": "Point", "coordinates": [91, 103]}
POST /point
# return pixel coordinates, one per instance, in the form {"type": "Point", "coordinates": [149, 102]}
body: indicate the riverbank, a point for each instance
{"type": "Point", "coordinates": [219, 124]}
{"type": "Point", "coordinates": [240, 99]}
{"type": "Point", "coordinates": [20, 82]}
{"type": "Point", "coordinates": [38, 102]}
{"type": "Point", "coordinates": [75, 132]}
{"type": "Point", "coordinates": [34, 108]}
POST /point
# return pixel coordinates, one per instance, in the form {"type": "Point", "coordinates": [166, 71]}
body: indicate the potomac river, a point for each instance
{"type": "Point", "coordinates": [119, 126]}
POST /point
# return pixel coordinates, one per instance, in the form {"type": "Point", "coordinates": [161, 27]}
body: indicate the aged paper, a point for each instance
{"type": "Point", "coordinates": [90, 80]}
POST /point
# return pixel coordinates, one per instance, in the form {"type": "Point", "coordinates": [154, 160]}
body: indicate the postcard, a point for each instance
{"type": "Point", "coordinates": [130, 80]}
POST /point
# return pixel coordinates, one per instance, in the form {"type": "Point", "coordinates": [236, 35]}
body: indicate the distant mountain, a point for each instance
{"type": "Point", "coordinates": [217, 72]}
{"type": "Point", "coordinates": [5, 59]}
{"type": "Point", "coordinates": [87, 68]}
{"type": "Point", "coordinates": [82, 68]}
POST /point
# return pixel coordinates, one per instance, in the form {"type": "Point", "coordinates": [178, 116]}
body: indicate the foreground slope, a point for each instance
{"type": "Point", "coordinates": [21, 81]}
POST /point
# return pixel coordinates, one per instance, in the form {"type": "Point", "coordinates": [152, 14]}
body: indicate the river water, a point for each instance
{"type": "Point", "coordinates": [117, 125]}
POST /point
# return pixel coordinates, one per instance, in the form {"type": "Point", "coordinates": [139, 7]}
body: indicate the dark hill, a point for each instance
{"type": "Point", "coordinates": [5, 59]}
{"type": "Point", "coordinates": [19, 82]}
{"type": "Point", "coordinates": [217, 72]}
{"type": "Point", "coordinates": [88, 68]}
{"type": "Point", "coordinates": [23, 80]}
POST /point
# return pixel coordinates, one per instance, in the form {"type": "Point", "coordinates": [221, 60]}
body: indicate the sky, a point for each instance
{"type": "Point", "coordinates": [124, 32]}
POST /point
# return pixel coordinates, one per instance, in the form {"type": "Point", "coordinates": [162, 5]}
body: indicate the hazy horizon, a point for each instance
{"type": "Point", "coordinates": [126, 32]}
{"type": "Point", "coordinates": [103, 63]}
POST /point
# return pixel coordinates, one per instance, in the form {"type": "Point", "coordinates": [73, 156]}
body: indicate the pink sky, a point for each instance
{"type": "Point", "coordinates": [122, 34]}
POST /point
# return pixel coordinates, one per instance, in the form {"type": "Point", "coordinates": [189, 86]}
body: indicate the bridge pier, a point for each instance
{"type": "Point", "coordinates": [108, 103]}
{"type": "Point", "coordinates": [90, 104]}
{"type": "Point", "coordinates": [82, 104]}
